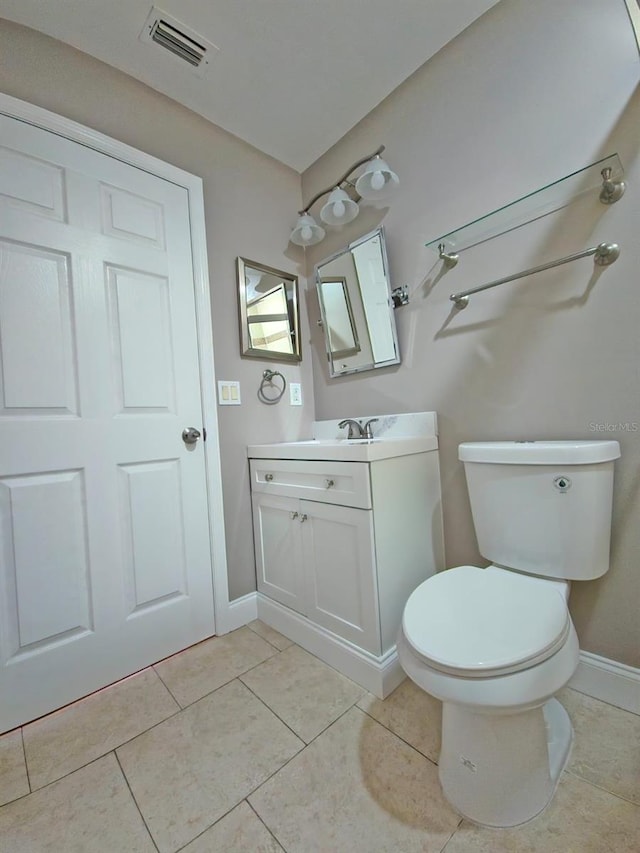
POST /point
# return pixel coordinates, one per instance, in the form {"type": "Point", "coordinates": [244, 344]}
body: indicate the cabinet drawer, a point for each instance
{"type": "Point", "coordinates": [344, 483]}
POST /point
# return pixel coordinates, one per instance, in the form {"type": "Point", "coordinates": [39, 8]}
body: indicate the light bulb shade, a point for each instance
{"type": "Point", "coordinates": [376, 180]}
{"type": "Point", "coordinates": [339, 208]}
{"type": "Point", "coordinates": [307, 231]}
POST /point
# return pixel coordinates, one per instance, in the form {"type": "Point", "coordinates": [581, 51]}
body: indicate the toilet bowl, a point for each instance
{"type": "Point", "coordinates": [471, 638]}
{"type": "Point", "coordinates": [490, 638]}
{"type": "Point", "coordinates": [496, 644]}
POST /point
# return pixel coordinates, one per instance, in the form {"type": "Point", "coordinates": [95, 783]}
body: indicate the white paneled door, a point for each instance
{"type": "Point", "coordinates": [105, 563]}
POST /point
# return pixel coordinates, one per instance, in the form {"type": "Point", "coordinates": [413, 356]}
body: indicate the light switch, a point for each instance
{"type": "Point", "coordinates": [228, 393]}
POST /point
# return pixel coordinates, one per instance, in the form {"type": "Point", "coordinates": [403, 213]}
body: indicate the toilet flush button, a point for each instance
{"type": "Point", "coordinates": [562, 483]}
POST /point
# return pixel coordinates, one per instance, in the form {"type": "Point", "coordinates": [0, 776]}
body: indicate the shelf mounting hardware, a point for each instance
{"type": "Point", "coordinates": [449, 259]}
{"type": "Point", "coordinates": [611, 191]}
{"type": "Point", "coordinates": [604, 254]}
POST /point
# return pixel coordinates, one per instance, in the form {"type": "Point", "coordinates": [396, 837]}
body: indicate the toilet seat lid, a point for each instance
{"type": "Point", "coordinates": [479, 622]}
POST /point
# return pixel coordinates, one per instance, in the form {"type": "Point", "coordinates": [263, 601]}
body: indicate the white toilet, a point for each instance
{"type": "Point", "coordinates": [495, 644]}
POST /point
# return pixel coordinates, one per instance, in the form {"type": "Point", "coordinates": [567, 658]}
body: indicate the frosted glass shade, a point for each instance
{"type": "Point", "coordinates": [307, 231]}
{"type": "Point", "coordinates": [339, 208]}
{"type": "Point", "coordinates": [376, 180]}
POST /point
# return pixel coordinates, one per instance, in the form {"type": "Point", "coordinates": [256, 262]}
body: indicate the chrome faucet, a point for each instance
{"type": "Point", "coordinates": [355, 428]}
{"type": "Point", "coordinates": [367, 431]}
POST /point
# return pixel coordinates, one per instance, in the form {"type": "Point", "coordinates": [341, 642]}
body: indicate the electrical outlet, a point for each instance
{"type": "Point", "coordinates": [295, 394]}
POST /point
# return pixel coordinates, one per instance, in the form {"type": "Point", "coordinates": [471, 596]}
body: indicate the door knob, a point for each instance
{"type": "Point", "coordinates": [190, 435]}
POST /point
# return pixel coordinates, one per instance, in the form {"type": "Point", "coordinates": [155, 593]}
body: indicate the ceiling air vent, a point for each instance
{"type": "Point", "coordinates": [182, 41]}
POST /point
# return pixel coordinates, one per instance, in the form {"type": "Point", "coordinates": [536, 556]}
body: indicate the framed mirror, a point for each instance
{"type": "Point", "coordinates": [356, 308]}
{"type": "Point", "coordinates": [269, 312]}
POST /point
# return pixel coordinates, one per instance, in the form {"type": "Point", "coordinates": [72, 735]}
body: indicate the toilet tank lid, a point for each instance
{"type": "Point", "coordinates": [539, 452]}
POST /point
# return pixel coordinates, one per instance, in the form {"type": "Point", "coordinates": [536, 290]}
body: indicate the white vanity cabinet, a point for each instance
{"type": "Point", "coordinates": [316, 558]}
{"type": "Point", "coordinates": [340, 546]}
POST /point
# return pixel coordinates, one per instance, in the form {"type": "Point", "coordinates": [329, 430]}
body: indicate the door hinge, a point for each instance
{"type": "Point", "coordinates": [204, 433]}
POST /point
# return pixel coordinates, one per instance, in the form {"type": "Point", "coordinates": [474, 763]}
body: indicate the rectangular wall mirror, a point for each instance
{"type": "Point", "coordinates": [269, 312]}
{"type": "Point", "coordinates": [356, 307]}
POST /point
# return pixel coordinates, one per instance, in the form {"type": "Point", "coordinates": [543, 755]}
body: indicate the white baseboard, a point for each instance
{"type": "Point", "coordinates": [603, 679]}
{"type": "Point", "coordinates": [241, 611]}
{"type": "Point", "coordinates": [379, 675]}
{"type": "Point", "coordinates": [607, 680]}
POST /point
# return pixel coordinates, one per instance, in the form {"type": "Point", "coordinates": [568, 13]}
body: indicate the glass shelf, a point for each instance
{"type": "Point", "coordinates": [533, 206]}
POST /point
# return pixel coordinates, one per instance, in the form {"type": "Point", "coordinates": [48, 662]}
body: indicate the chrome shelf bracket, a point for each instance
{"type": "Point", "coordinates": [612, 191]}
{"type": "Point", "coordinates": [449, 259]}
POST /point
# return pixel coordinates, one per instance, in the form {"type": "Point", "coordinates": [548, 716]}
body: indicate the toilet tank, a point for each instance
{"type": "Point", "coordinates": [543, 507]}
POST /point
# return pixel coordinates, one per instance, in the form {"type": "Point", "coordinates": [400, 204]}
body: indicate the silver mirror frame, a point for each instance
{"type": "Point", "coordinates": [333, 372]}
{"type": "Point", "coordinates": [247, 350]}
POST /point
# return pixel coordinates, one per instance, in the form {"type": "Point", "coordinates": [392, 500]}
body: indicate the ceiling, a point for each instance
{"type": "Point", "coordinates": [291, 77]}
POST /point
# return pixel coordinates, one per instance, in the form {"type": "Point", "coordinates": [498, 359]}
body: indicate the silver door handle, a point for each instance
{"type": "Point", "coordinates": [190, 435]}
{"type": "Point", "coordinates": [329, 483]}
{"type": "Point", "coordinates": [303, 517]}
{"type": "Point", "coordinates": [294, 515]}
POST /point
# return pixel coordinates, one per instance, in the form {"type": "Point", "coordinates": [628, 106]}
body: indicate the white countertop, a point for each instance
{"type": "Point", "coordinates": [344, 450]}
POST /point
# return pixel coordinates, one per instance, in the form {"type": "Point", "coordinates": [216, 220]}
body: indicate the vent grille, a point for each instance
{"type": "Point", "coordinates": [167, 36]}
{"type": "Point", "coordinates": [178, 39]}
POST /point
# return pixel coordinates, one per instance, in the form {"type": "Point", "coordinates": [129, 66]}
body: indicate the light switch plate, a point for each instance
{"type": "Point", "coordinates": [228, 393]}
{"type": "Point", "coordinates": [295, 394]}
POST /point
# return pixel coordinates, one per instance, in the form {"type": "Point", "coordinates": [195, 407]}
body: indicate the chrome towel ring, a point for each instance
{"type": "Point", "coordinates": [267, 380]}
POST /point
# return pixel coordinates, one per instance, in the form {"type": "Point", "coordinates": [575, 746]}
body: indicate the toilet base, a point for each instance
{"type": "Point", "coordinates": [502, 769]}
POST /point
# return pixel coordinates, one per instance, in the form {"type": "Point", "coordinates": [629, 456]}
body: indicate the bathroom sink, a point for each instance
{"type": "Point", "coordinates": [344, 449]}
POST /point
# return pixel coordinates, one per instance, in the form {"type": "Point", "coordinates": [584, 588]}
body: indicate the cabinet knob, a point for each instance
{"type": "Point", "coordinates": [329, 483]}
{"type": "Point", "coordinates": [303, 517]}
{"type": "Point", "coordinates": [268, 478]}
{"type": "Point", "coordinates": [294, 515]}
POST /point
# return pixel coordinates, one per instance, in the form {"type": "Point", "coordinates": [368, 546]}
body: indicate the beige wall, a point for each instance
{"type": "Point", "coordinates": [250, 200]}
{"type": "Point", "coordinates": [529, 93]}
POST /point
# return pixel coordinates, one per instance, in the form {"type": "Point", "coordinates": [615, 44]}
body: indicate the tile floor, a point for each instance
{"type": "Point", "coordinates": [248, 743]}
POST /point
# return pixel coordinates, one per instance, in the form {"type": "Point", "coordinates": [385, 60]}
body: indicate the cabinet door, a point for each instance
{"type": "Point", "coordinates": [339, 559]}
{"type": "Point", "coordinates": [276, 525]}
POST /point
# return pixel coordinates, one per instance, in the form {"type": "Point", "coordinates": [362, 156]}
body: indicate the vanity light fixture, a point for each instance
{"type": "Point", "coordinates": [372, 184]}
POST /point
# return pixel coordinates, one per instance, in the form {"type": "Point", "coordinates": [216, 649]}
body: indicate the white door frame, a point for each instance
{"type": "Point", "coordinates": [46, 120]}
